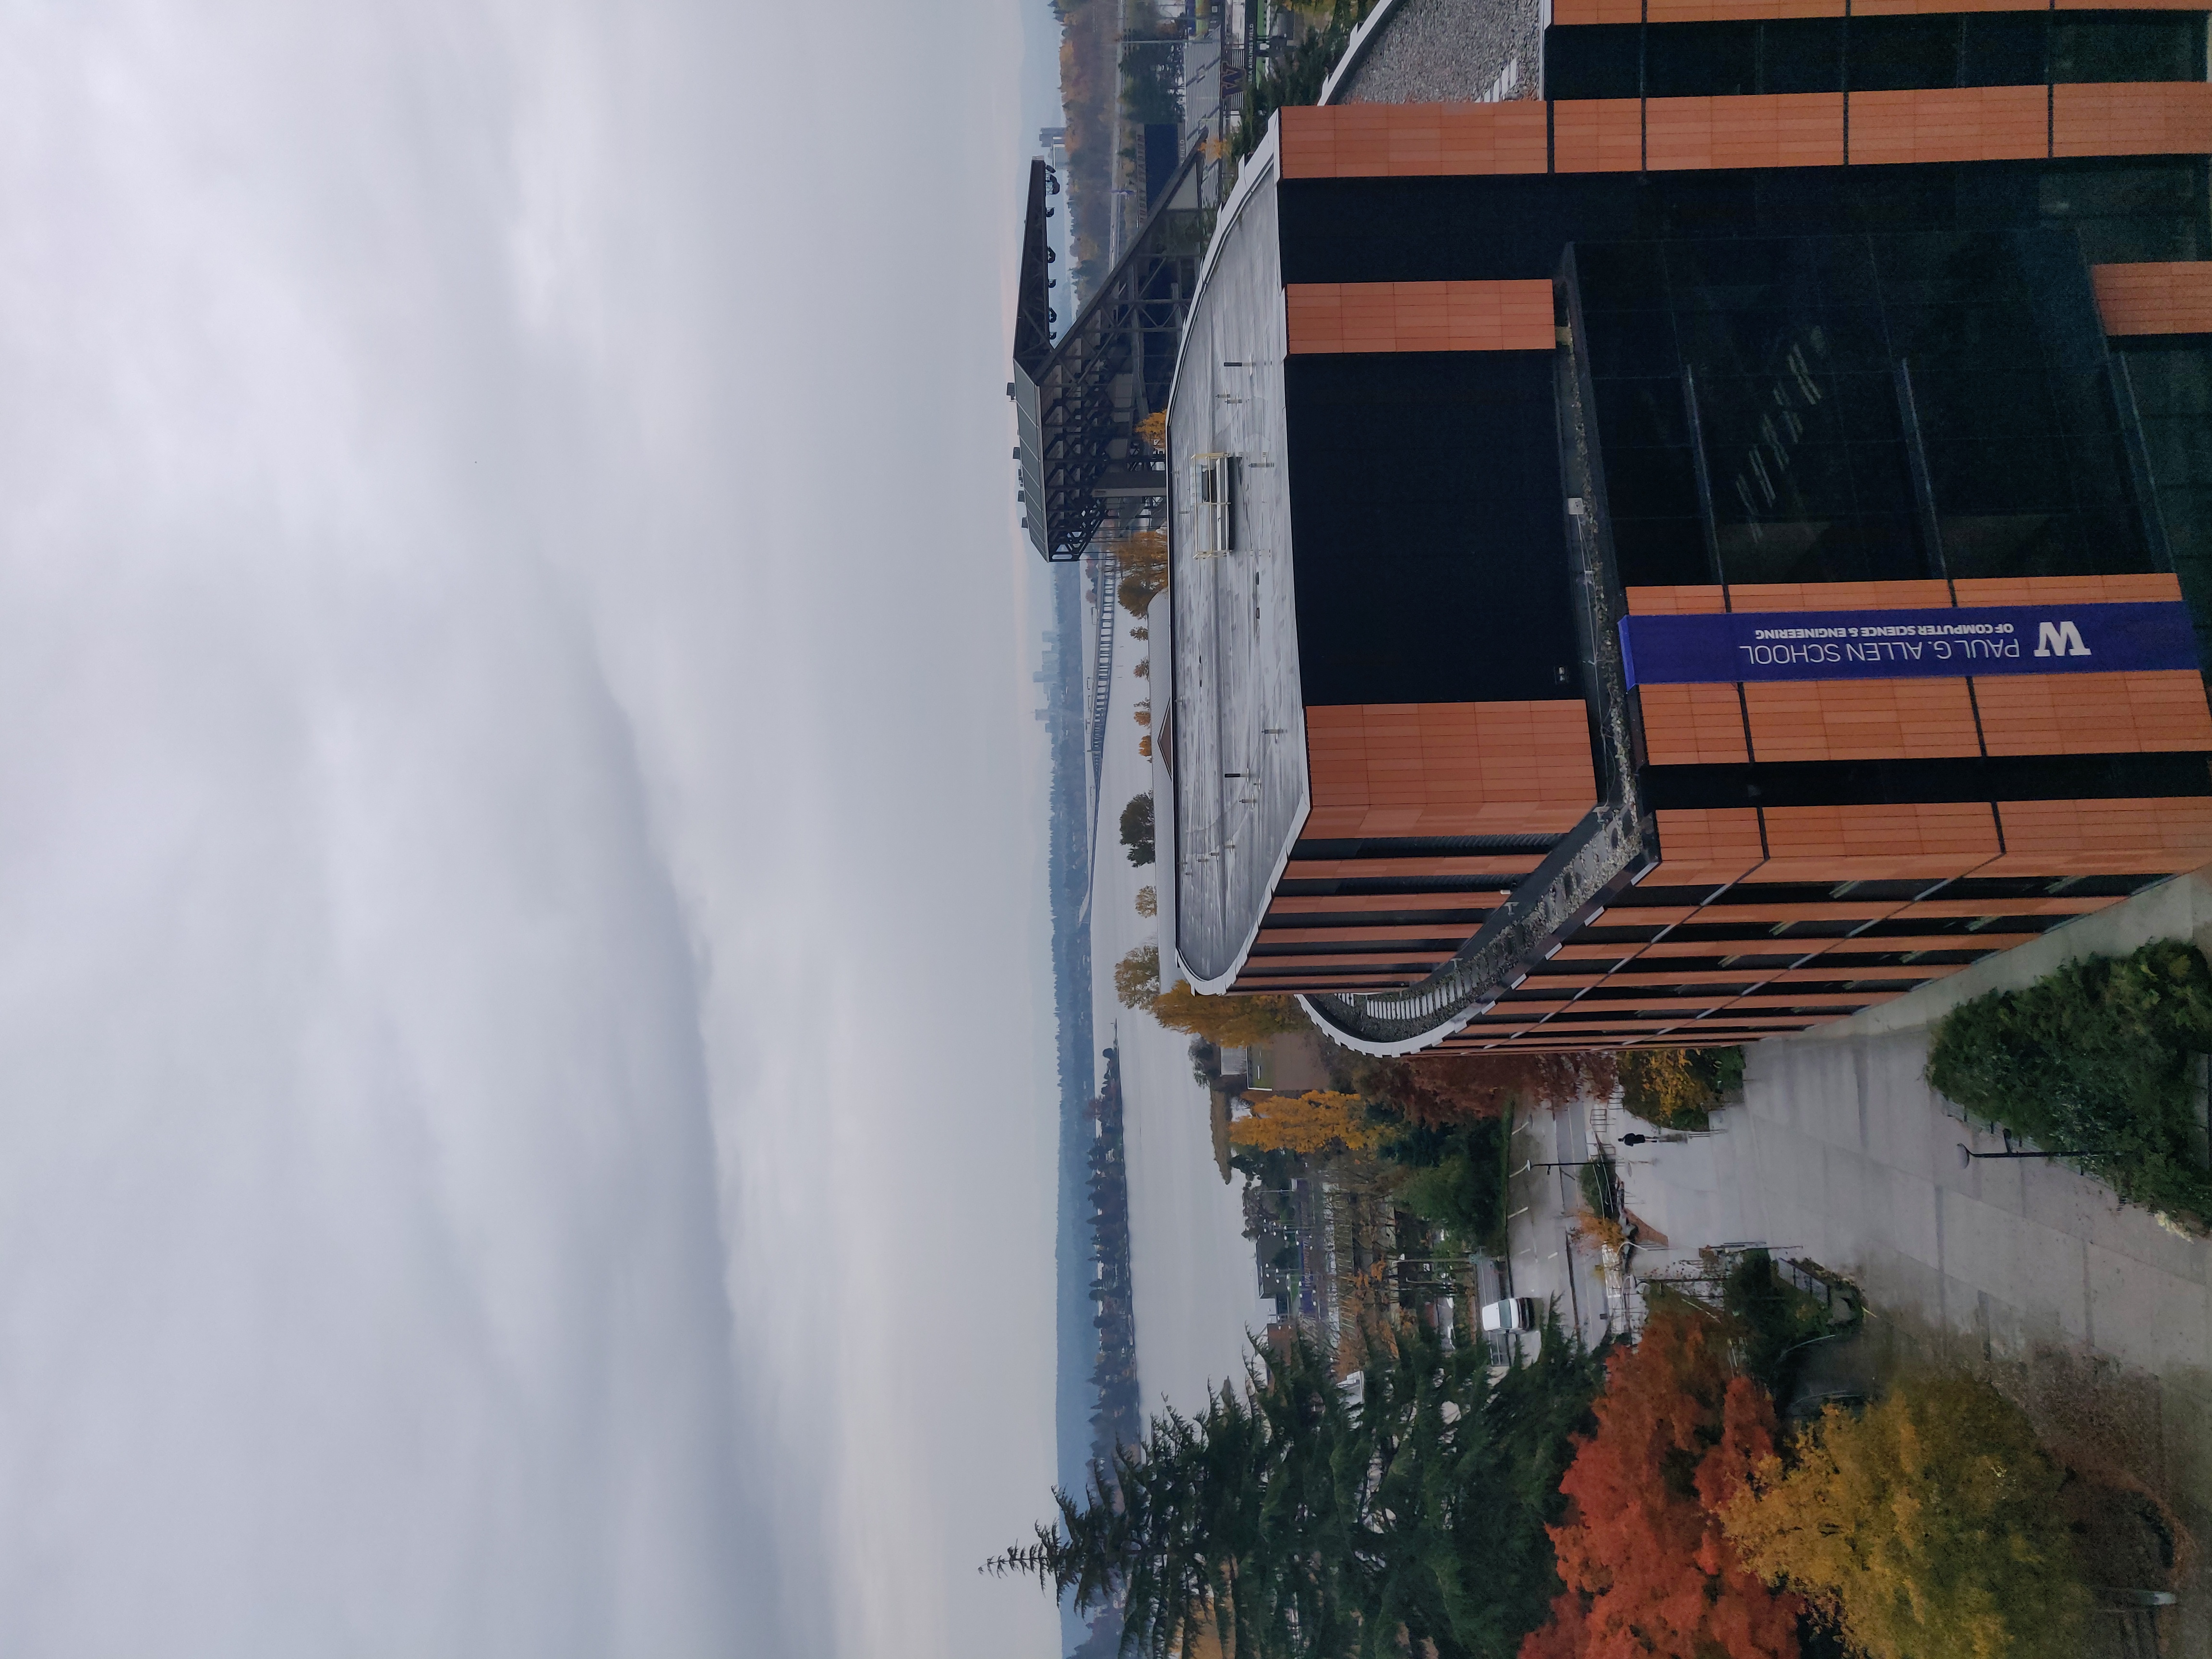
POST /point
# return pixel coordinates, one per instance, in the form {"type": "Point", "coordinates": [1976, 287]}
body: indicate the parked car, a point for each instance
{"type": "Point", "coordinates": [1515, 1312]}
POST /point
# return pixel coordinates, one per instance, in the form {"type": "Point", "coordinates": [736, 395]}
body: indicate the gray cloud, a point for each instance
{"type": "Point", "coordinates": [516, 814]}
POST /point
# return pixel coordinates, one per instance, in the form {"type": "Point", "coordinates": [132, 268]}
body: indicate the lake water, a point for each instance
{"type": "Point", "coordinates": [1197, 1292]}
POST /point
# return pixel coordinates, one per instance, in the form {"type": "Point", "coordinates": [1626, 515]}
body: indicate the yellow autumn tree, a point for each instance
{"type": "Point", "coordinates": [1137, 977]}
{"type": "Point", "coordinates": [1148, 901]}
{"type": "Point", "coordinates": [1310, 1122]}
{"type": "Point", "coordinates": [1143, 557]}
{"type": "Point", "coordinates": [1929, 1524]}
{"type": "Point", "coordinates": [1152, 430]}
{"type": "Point", "coordinates": [1232, 1022]}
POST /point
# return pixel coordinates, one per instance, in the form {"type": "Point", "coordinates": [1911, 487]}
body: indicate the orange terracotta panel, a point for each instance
{"type": "Point", "coordinates": [2173, 297]}
{"type": "Point", "coordinates": [1595, 952]}
{"type": "Point", "coordinates": [1541, 978]}
{"type": "Point", "coordinates": [1597, 134]}
{"type": "Point", "coordinates": [1948, 124]}
{"type": "Point", "coordinates": [1918, 970]}
{"type": "Point", "coordinates": [2069, 590]}
{"type": "Point", "coordinates": [1260, 969]}
{"type": "Point", "coordinates": [1659, 974]}
{"type": "Point", "coordinates": [1274, 932]}
{"type": "Point", "coordinates": [1640, 916]}
{"type": "Point", "coordinates": [1840, 1002]}
{"type": "Point", "coordinates": [1488, 138]}
{"type": "Point", "coordinates": [1337, 904]}
{"type": "Point", "coordinates": [1840, 596]}
{"type": "Point", "coordinates": [1374, 140]}
{"type": "Point", "coordinates": [1705, 846]}
{"type": "Point", "coordinates": [1675, 601]}
{"type": "Point", "coordinates": [2094, 714]}
{"type": "Point", "coordinates": [1711, 11]}
{"type": "Point", "coordinates": [1369, 959]}
{"type": "Point", "coordinates": [2062, 904]}
{"type": "Point", "coordinates": [1597, 11]}
{"type": "Point", "coordinates": [1460, 316]}
{"type": "Point", "coordinates": [2133, 5]}
{"type": "Point", "coordinates": [1764, 916]}
{"type": "Point", "coordinates": [2170, 118]}
{"type": "Point", "coordinates": [1934, 8]}
{"type": "Point", "coordinates": [1786, 949]}
{"type": "Point", "coordinates": [1447, 769]}
{"type": "Point", "coordinates": [1766, 130]}
{"type": "Point", "coordinates": [1984, 942]}
{"type": "Point", "coordinates": [2131, 837]}
{"type": "Point", "coordinates": [1860, 719]}
{"type": "Point", "coordinates": [1506, 865]}
{"type": "Point", "coordinates": [1895, 842]}
{"type": "Point", "coordinates": [1692, 725]}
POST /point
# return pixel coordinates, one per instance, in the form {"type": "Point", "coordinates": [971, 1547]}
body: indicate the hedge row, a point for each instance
{"type": "Point", "coordinates": [2094, 1062]}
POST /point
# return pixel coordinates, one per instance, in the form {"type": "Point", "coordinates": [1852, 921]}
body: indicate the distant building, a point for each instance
{"type": "Point", "coordinates": [1705, 550]}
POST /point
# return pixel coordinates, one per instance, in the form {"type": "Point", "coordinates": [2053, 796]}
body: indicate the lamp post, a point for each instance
{"type": "Point", "coordinates": [1967, 1155]}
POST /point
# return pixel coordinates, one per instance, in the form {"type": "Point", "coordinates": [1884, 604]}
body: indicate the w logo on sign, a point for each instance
{"type": "Point", "coordinates": [2060, 639]}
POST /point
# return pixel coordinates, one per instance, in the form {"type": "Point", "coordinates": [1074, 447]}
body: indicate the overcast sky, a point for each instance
{"type": "Point", "coordinates": [521, 1122]}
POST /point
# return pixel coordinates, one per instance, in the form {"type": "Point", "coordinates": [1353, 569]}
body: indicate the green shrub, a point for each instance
{"type": "Point", "coordinates": [1601, 1188]}
{"type": "Point", "coordinates": [1297, 76]}
{"type": "Point", "coordinates": [1459, 1183]}
{"type": "Point", "coordinates": [1679, 1088]}
{"type": "Point", "coordinates": [2092, 1063]}
{"type": "Point", "coordinates": [1773, 1320]}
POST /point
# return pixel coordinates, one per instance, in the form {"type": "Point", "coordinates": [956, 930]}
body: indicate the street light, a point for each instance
{"type": "Point", "coordinates": [1966, 1155]}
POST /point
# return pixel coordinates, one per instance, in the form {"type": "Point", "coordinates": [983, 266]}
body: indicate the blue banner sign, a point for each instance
{"type": "Point", "coordinates": [1894, 645]}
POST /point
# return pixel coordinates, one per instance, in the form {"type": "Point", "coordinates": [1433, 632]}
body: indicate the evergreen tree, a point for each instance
{"type": "Point", "coordinates": [1291, 1521]}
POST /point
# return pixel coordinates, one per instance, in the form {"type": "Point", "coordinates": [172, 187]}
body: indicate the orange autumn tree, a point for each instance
{"type": "Point", "coordinates": [1649, 1573]}
{"type": "Point", "coordinates": [1308, 1123]}
{"type": "Point", "coordinates": [1439, 1090]}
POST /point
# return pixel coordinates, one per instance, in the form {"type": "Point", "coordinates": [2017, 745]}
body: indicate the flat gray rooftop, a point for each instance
{"type": "Point", "coordinates": [1239, 727]}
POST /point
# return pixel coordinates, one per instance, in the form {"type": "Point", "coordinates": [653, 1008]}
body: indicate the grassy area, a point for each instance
{"type": "Point", "coordinates": [1296, 77]}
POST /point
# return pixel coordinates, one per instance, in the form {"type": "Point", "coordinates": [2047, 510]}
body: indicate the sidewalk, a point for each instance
{"type": "Point", "coordinates": [1842, 1152]}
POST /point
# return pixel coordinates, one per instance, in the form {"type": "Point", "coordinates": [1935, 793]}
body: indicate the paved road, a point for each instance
{"type": "Point", "coordinates": [1544, 1260]}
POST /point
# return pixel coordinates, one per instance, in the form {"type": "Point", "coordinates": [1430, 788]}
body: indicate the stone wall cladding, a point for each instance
{"type": "Point", "coordinates": [1434, 51]}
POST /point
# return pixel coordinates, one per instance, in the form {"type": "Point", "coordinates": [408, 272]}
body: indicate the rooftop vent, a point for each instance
{"type": "Point", "coordinates": [1213, 491]}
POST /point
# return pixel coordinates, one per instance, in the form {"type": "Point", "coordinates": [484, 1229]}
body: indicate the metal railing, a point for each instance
{"type": "Point", "coordinates": [1102, 679]}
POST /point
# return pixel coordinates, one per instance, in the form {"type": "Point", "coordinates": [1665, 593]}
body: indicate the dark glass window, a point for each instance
{"type": "Point", "coordinates": [2125, 215]}
{"type": "Point", "coordinates": [1890, 54]}
{"type": "Point", "coordinates": [2172, 382]}
{"type": "Point", "coordinates": [1804, 54]}
{"type": "Point", "coordinates": [1622, 276]}
{"type": "Point", "coordinates": [1660, 552]}
{"type": "Point", "coordinates": [1640, 412]}
{"type": "Point", "coordinates": [1885, 54]}
{"type": "Point", "coordinates": [1424, 506]}
{"type": "Point", "coordinates": [1700, 60]}
{"type": "Point", "coordinates": [1598, 60]}
{"type": "Point", "coordinates": [2002, 49]}
{"type": "Point", "coordinates": [1821, 376]}
{"type": "Point", "coordinates": [1439, 229]}
{"type": "Point", "coordinates": [2144, 45]}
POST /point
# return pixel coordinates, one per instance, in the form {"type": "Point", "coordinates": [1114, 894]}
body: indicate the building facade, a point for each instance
{"type": "Point", "coordinates": [1695, 554]}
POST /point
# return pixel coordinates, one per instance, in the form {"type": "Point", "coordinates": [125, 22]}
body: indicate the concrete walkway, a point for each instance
{"type": "Point", "coordinates": [1842, 1152]}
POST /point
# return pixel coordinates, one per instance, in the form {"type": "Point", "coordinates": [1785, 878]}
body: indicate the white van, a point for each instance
{"type": "Point", "coordinates": [1515, 1312]}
